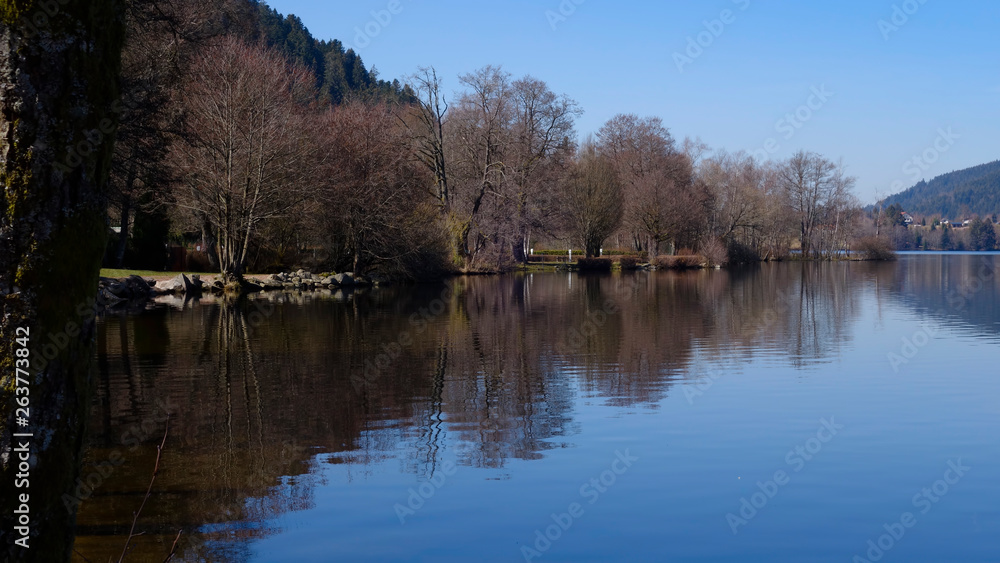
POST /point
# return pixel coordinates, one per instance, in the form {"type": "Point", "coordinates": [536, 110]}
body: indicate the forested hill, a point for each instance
{"type": "Point", "coordinates": [956, 195]}
{"type": "Point", "coordinates": [340, 73]}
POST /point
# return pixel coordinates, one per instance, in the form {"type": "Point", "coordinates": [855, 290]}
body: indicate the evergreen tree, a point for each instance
{"type": "Point", "coordinates": [982, 234]}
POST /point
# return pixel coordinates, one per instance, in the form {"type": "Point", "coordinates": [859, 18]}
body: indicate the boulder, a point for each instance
{"type": "Point", "coordinates": [343, 279]}
{"type": "Point", "coordinates": [118, 289]}
{"type": "Point", "coordinates": [109, 299]}
{"type": "Point", "coordinates": [250, 286]}
{"type": "Point", "coordinates": [138, 286]}
{"type": "Point", "coordinates": [178, 284]}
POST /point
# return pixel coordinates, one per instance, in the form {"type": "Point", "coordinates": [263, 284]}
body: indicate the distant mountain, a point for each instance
{"type": "Point", "coordinates": [340, 73]}
{"type": "Point", "coordinates": [956, 195]}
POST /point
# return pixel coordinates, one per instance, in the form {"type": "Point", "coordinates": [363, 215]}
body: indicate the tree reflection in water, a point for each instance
{"type": "Point", "coordinates": [265, 390]}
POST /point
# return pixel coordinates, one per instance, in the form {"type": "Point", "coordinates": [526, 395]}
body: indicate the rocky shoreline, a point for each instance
{"type": "Point", "coordinates": [114, 291]}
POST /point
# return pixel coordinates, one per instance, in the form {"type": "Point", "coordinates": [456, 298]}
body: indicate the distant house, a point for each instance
{"type": "Point", "coordinates": [907, 218]}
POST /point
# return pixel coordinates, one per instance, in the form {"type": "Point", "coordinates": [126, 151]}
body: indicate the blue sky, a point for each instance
{"type": "Point", "coordinates": [923, 84]}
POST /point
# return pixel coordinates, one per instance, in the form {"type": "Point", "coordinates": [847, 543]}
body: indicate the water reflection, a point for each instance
{"type": "Point", "coordinates": [263, 391]}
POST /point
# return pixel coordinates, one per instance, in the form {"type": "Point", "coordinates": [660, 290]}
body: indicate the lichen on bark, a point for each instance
{"type": "Point", "coordinates": [59, 65]}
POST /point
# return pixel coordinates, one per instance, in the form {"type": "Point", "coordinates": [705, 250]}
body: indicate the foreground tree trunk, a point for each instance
{"type": "Point", "coordinates": [59, 64]}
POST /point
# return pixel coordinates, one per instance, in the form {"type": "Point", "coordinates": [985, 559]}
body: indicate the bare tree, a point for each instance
{"type": "Point", "coordinates": [539, 152]}
{"type": "Point", "coordinates": [248, 154]}
{"type": "Point", "coordinates": [663, 204]}
{"type": "Point", "coordinates": [428, 118]}
{"type": "Point", "coordinates": [480, 137]}
{"type": "Point", "coordinates": [736, 182]}
{"type": "Point", "coordinates": [161, 38]}
{"type": "Point", "coordinates": [816, 191]}
{"type": "Point", "coordinates": [373, 199]}
{"type": "Point", "coordinates": [594, 197]}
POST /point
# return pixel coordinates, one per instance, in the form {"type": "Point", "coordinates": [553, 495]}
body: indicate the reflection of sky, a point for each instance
{"type": "Point", "coordinates": [698, 458]}
{"type": "Point", "coordinates": [707, 377]}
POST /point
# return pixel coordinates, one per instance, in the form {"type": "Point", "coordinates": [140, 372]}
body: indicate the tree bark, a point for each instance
{"type": "Point", "coordinates": [59, 67]}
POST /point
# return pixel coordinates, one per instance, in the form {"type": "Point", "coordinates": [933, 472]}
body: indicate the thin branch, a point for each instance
{"type": "Point", "coordinates": [173, 548]}
{"type": "Point", "coordinates": [149, 490]}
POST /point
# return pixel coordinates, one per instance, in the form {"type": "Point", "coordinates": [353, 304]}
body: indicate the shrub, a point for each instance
{"type": "Point", "coordinates": [690, 261]}
{"type": "Point", "coordinates": [628, 262]}
{"type": "Point", "coordinates": [875, 248]}
{"type": "Point", "coordinates": [714, 252]}
{"type": "Point", "coordinates": [594, 264]}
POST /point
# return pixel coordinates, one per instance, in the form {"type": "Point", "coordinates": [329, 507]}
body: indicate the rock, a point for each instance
{"type": "Point", "coordinates": [251, 286]}
{"type": "Point", "coordinates": [109, 299]}
{"type": "Point", "coordinates": [178, 284]}
{"type": "Point", "coordinates": [137, 287]}
{"type": "Point", "coordinates": [343, 279]}
{"type": "Point", "coordinates": [118, 289]}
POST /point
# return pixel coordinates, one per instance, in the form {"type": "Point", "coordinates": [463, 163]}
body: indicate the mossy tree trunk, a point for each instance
{"type": "Point", "coordinates": [59, 66]}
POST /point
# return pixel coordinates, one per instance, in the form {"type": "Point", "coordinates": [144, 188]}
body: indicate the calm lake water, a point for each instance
{"type": "Point", "coordinates": [791, 412]}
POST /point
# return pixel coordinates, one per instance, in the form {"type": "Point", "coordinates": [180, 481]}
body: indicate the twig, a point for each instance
{"type": "Point", "coordinates": [149, 490]}
{"type": "Point", "coordinates": [173, 548]}
{"type": "Point", "coordinates": [82, 556]}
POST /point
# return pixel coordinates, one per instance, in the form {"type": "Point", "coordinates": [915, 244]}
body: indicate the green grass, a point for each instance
{"type": "Point", "coordinates": [113, 273]}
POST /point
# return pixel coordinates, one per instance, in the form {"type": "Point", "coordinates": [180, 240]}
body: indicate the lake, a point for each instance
{"type": "Point", "coordinates": [788, 412]}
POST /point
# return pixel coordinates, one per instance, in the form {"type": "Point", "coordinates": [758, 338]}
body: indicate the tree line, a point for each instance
{"type": "Point", "coordinates": [247, 136]}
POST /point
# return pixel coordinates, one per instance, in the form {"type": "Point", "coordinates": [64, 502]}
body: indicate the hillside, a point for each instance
{"type": "Point", "coordinates": [340, 73]}
{"type": "Point", "coordinates": [959, 194]}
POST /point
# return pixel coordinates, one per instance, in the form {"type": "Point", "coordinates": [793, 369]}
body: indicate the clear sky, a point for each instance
{"type": "Point", "coordinates": [922, 83]}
